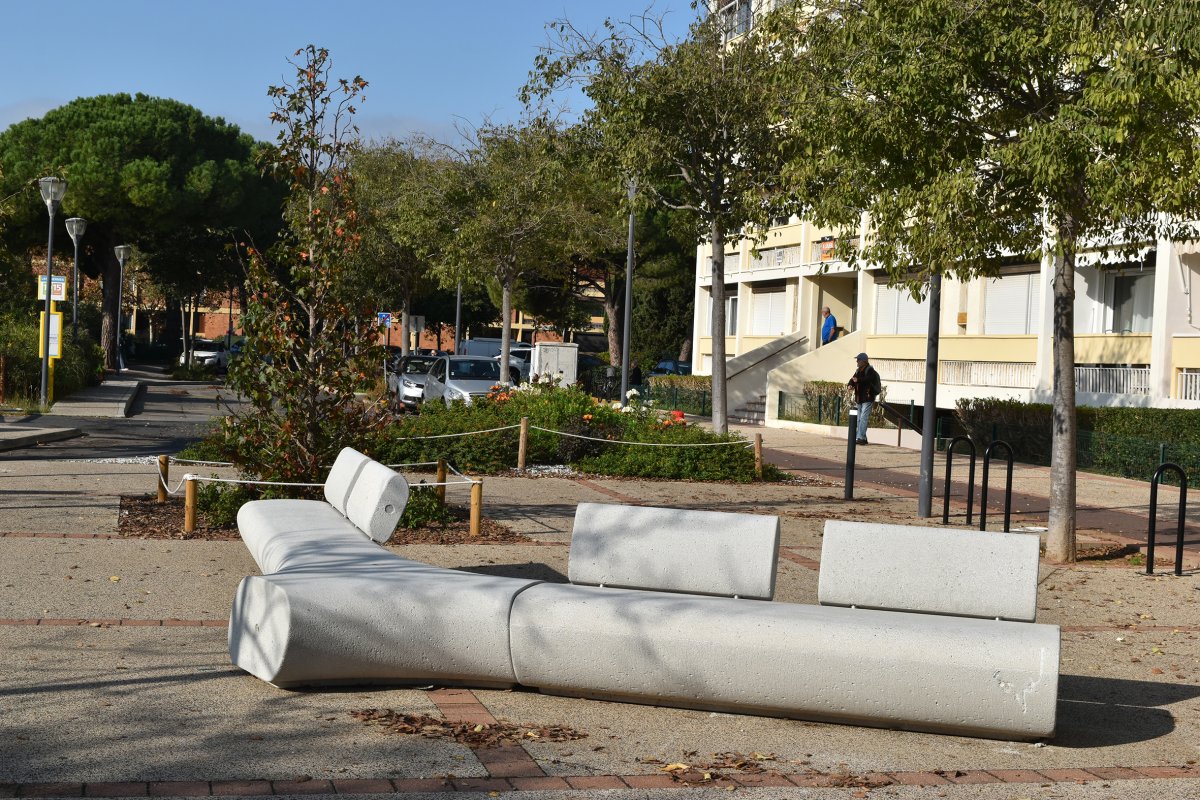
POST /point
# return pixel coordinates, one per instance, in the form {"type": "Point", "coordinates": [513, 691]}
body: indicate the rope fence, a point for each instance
{"type": "Point", "coordinates": [189, 481]}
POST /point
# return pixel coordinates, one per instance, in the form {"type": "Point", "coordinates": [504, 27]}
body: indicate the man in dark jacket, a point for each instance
{"type": "Point", "coordinates": [866, 386]}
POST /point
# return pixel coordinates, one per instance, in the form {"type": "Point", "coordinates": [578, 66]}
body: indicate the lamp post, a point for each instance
{"type": "Point", "coordinates": [632, 190]}
{"type": "Point", "coordinates": [122, 252]}
{"type": "Point", "coordinates": [75, 227]}
{"type": "Point", "coordinates": [458, 319]}
{"type": "Point", "coordinates": [52, 190]}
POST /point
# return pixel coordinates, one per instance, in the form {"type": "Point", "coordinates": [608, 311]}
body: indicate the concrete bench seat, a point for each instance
{"type": "Point", "coordinates": [335, 607]}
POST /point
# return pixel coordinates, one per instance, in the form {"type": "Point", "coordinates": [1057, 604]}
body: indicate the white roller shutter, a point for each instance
{"type": "Point", "coordinates": [1011, 305]}
{"type": "Point", "coordinates": [769, 313]}
{"type": "Point", "coordinates": [885, 309]}
{"type": "Point", "coordinates": [911, 316]}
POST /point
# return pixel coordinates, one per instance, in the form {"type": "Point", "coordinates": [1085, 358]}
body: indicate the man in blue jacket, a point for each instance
{"type": "Point", "coordinates": [829, 327]}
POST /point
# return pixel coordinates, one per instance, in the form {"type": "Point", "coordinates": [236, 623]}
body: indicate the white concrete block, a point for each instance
{"type": "Point", "coordinates": [342, 475]}
{"type": "Point", "coordinates": [674, 550]}
{"type": "Point", "coordinates": [887, 669]}
{"type": "Point", "coordinates": [394, 622]}
{"type": "Point", "coordinates": [932, 570]}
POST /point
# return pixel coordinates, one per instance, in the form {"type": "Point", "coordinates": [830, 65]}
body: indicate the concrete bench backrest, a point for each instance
{"type": "Point", "coordinates": [931, 570]}
{"type": "Point", "coordinates": [367, 493]}
{"type": "Point", "coordinates": [674, 550]}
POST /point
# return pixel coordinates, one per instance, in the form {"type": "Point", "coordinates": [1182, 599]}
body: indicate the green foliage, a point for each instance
{"type": "Point", "coordinates": [424, 507]}
{"type": "Point", "coordinates": [192, 372]}
{"type": "Point", "coordinates": [569, 410]}
{"type": "Point", "coordinates": [819, 402]}
{"type": "Point", "coordinates": [79, 367]}
{"type": "Point", "coordinates": [1128, 442]}
{"type": "Point", "coordinates": [219, 502]}
{"type": "Point", "coordinates": [311, 339]}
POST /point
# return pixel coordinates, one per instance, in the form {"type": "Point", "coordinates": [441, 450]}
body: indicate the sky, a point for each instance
{"type": "Point", "coordinates": [431, 66]}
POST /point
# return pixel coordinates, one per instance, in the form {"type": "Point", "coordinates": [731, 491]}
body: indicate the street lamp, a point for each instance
{"type": "Point", "coordinates": [632, 190]}
{"type": "Point", "coordinates": [122, 252]}
{"type": "Point", "coordinates": [75, 227]}
{"type": "Point", "coordinates": [52, 190]}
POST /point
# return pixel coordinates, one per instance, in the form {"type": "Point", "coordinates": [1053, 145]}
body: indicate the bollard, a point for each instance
{"type": "Point", "coordinates": [851, 446]}
{"type": "Point", "coordinates": [758, 461]}
{"type": "Point", "coordinates": [164, 475]}
{"type": "Point", "coordinates": [441, 481]}
{"type": "Point", "coordinates": [189, 504]}
{"type": "Point", "coordinates": [476, 506]}
{"type": "Point", "coordinates": [523, 445]}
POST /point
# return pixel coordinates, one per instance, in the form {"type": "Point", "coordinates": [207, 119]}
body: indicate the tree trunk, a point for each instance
{"type": "Point", "coordinates": [1060, 538]}
{"type": "Point", "coordinates": [405, 327]}
{"type": "Point", "coordinates": [505, 330]}
{"type": "Point", "coordinates": [612, 315]}
{"type": "Point", "coordinates": [685, 350]}
{"type": "Point", "coordinates": [108, 309]}
{"type": "Point", "coordinates": [719, 422]}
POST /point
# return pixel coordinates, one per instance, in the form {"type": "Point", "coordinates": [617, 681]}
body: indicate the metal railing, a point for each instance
{"type": "Point", "coordinates": [1188, 386]}
{"type": "Point", "coordinates": [983, 491]}
{"type": "Point", "coordinates": [1015, 374]}
{"type": "Point", "coordinates": [1112, 380]}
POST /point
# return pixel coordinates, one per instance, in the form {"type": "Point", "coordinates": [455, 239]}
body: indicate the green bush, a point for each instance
{"type": "Point", "coordinates": [424, 507]}
{"type": "Point", "coordinates": [219, 502]}
{"type": "Point", "coordinates": [81, 364]}
{"type": "Point", "coordinates": [1123, 441]}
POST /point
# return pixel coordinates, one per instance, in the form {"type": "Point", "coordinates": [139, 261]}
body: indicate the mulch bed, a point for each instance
{"type": "Point", "coordinates": [143, 517]}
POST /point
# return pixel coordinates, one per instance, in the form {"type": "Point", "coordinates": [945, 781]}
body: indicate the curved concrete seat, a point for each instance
{"type": "Point", "coordinates": [879, 668]}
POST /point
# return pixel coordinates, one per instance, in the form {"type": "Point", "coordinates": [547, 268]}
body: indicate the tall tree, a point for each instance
{"type": "Point", "coordinates": [503, 200]}
{"type": "Point", "coordinates": [690, 121]}
{"type": "Point", "coordinates": [971, 129]}
{"type": "Point", "coordinates": [142, 170]}
{"type": "Point", "coordinates": [310, 336]}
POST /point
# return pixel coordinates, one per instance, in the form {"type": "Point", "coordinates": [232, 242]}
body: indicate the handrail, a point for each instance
{"type": "Point", "coordinates": [983, 492]}
{"type": "Point", "coordinates": [1183, 482]}
{"type": "Point", "coordinates": [970, 479]}
{"type": "Point", "coordinates": [900, 419]}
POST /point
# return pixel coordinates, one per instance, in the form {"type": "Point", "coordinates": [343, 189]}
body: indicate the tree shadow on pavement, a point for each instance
{"type": "Point", "coordinates": [1102, 712]}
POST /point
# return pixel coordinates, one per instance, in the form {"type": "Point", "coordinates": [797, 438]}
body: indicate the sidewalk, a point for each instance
{"type": "Point", "coordinates": [115, 679]}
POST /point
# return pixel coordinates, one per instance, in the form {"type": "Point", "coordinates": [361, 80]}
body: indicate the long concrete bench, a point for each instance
{"type": "Point", "coordinates": [339, 609]}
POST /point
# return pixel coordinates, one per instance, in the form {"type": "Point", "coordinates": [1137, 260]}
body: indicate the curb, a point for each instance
{"type": "Point", "coordinates": [12, 437]}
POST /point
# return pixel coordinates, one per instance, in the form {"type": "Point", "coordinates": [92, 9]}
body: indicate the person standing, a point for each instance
{"type": "Point", "coordinates": [829, 326]}
{"type": "Point", "coordinates": [866, 385]}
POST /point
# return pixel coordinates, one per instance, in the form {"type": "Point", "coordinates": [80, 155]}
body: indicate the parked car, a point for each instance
{"type": "Point", "coordinates": [461, 378]}
{"type": "Point", "coordinates": [672, 367]}
{"type": "Point", "coordinates": [406, 380]}
{"type": "Point", "coordinates": [207, 353]}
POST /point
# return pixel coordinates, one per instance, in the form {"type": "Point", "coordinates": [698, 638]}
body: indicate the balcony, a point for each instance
{"type": "Point", "coordinates": [1112, 380]}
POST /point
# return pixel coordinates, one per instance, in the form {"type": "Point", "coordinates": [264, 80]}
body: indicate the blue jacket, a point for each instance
{"type": "Point", "coordinates": [828, 328]}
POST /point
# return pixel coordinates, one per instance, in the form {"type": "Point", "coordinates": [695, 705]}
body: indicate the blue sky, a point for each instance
{"type": "Point", "coordinates": [428, 63]}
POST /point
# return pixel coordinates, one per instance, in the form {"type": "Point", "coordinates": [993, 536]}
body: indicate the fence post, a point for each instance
{"type": "Point", "coordinates": [441, 481]}
{"type": "Point", "coordinates": [189, 504]}
{"type": "Point", "coordinates": [758, 460]}
{"type": "Point", "coordinates": [820, 411]}
{"type": "Point", "coordinates": [837, 410]}
{"type": "Point", "coordinates": [476, 506]}
{"type": "Point", "coordinates": [523, 444]}
{"type": "Point", "coordinates": [164, 473]}
{"type": "Point", "coordinates": [851, 444]}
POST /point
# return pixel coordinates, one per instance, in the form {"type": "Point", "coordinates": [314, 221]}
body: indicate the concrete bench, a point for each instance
{"type": "Point", "coordinates": [674, 550]}
{"type": "Point", "coordinates": [930, 570]}
{"type": "Point", "coordinates": [337, 608]}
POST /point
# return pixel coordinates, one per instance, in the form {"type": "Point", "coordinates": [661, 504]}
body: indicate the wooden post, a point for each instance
{"type": "Point", "coordinates": [441, 480]}
{"type": "Point", "coordinates": [164, 473]}
{"type": "Point", "coordinates": [476, 506]}
{"type": "Point", "coordinates": [758, 463]}
{"type": "Point", "coordinates": [523, 445]}
{"type": "Point", "coordinates": [189, 504]}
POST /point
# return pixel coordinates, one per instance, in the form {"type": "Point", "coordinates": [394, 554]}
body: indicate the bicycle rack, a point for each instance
{"type": "Point", "coordinates": [970, 479]}
{"type": "Point", "coordinates": [983, 492]}
{"type": "Point", "coordinates": [1158, 473]}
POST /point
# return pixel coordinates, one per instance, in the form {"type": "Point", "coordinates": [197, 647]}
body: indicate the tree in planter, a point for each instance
{"type": "Point", "coordinates": [969, 129]}
{"type": "Point", "coordinates": [691, 122]}
{"type": "Point", "coordinates": [309, 336]}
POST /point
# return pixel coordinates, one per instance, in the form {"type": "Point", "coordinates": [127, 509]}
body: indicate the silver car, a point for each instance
{"type": "Point", "coordinates": [461, 378]}
{"type": "Point", "coordinates": [406, 381]}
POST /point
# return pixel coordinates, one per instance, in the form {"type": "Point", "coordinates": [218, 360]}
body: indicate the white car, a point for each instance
{"type": "Point", "coordinates": [208, 353]}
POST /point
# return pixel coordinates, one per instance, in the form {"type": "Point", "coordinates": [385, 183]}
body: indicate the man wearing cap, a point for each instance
{"type": "Point", "coordinates": [866, 386]}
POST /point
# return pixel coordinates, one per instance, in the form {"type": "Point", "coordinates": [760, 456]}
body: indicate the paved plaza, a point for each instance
{"type": "Point", "coordinates": [115, 679]}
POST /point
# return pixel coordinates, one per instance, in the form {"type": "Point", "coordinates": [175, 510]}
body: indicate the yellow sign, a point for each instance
{"type": "Point", "coordinates": [56, 323]}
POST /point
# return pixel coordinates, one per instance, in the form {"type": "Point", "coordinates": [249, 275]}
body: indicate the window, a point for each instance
{"type": "Point", "coordinates": [897, 313]}
{"type": "Point", "coordinates": [731, 309]}
{"type": "Point", "coordinates": [1011, 305]}
{"type": "Point", "coordinates": [1131, 298]}
{"type": "Point", "coordinates": [737, 18]}
{"type": "Point", "coordinates": [769, 312]}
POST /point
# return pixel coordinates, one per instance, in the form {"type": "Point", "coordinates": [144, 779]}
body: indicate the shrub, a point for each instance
{"type": "Point", "coordinates": [219, 502]}
{"type": "Point", "coordinates": [424, 507]}
{"type": "Point", "coordinates": [80, 365]}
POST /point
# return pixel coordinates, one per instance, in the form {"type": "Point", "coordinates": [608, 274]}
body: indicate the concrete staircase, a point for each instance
{"type": "Point", "coordinates": [754, 412]}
